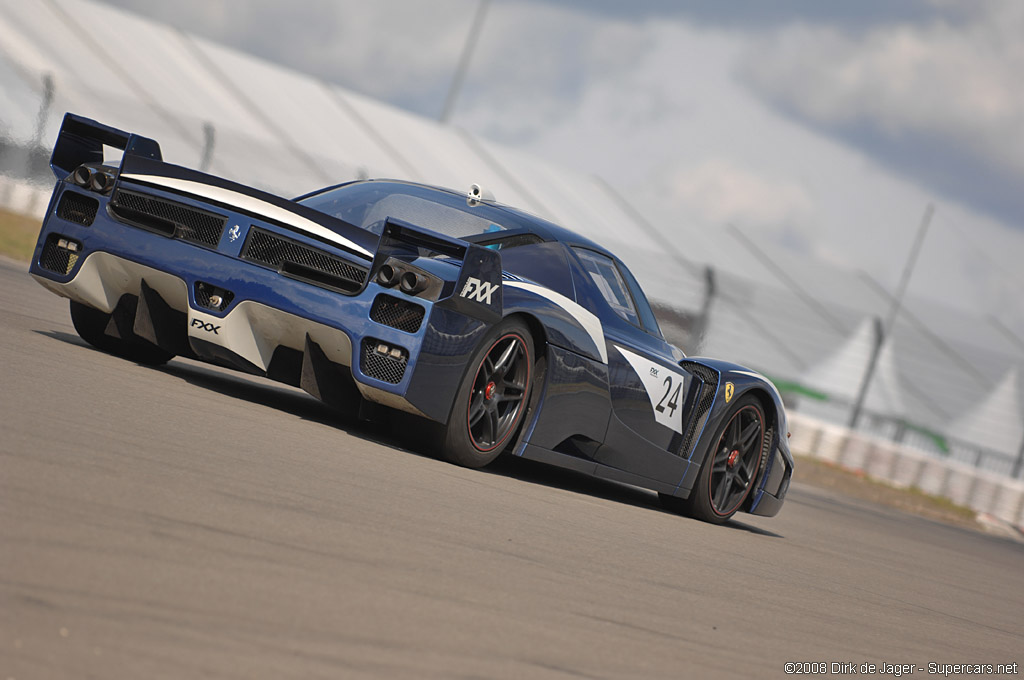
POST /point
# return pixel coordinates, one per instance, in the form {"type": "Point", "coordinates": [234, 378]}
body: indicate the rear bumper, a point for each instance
{"type": "Point", "coordinates": [267, 315]}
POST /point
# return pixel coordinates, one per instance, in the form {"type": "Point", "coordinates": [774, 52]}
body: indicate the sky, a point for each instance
{"type": "Point", "coordinates": [820, 130]}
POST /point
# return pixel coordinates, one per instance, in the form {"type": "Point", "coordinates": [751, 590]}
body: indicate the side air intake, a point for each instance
{"type": "Point", "coordinates": [709, 378]}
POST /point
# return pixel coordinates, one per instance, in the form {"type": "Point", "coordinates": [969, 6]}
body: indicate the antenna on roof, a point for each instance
{"type": "Point", "coordinates": [477, 195]}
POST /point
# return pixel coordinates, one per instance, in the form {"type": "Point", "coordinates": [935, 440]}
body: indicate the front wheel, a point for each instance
{"type": "Point", "coordinates": [730, 468]}
{"type": "Point", "coordinates": [492, 398]}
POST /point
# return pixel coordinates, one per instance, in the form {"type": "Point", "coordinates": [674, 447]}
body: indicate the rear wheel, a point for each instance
{"type": "Point", "coordinates": [493, 397]}
{"type": "Point", "coordinates": [730, 468]}
{"type": "Point", "coordinates": [92, 324]}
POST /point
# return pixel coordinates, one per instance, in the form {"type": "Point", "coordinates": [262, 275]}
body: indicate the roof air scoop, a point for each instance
{"type": "Point", "coordinates": [477, 195]}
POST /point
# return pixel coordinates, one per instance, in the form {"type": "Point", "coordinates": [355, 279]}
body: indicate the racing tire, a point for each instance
{"type": "Point", "coordinates": [730, 468]}
{"type": "Point", "coordinates": [493, 399]}
{"type": "Point", "coordinates": [91, 325]}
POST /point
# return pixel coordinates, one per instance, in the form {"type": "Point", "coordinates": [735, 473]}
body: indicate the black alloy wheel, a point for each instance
{"type": "Point", "coordinates": [730, 468]}
{"type": "Point", "coordinates": [736, 460]}
{"type": "Point", "coordinates": [494, 395]}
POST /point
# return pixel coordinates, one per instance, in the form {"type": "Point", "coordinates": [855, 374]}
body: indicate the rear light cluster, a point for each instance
{"type": "Point", "coordinates": [383, 361]}
{"type": "Point", "coordinates": [60, 254]}
{"type": "Point", "coordinates": [94, 178]}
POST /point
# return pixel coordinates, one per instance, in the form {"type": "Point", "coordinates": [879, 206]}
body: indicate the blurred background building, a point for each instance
{"type": "Point", "coordinates": [794, 271]}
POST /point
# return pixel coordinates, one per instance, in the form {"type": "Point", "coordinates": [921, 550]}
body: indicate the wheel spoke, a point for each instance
{"type": "Point", "coordinates": [511, 392]}
{"type": "Point", "coordinates": [502, 363]}
{"type": "Point", "coordinates": [492, 425]}
{"type": "Point", "coordinates": [747, 468]}
{"type": "Point", "coordinates": [476, 410]}
{"type": "Point", "coordinates": [740, 479]}
{"type": "Point", "coordinates": [751, 433]}
{"type": "Point", "coordinates": [721, 492]}
{"type": "Point", "coordinates": [731, 436]}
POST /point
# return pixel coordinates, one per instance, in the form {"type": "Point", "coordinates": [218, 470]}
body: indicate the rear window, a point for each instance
{"type": "Point", "coordinates": [368, 204]}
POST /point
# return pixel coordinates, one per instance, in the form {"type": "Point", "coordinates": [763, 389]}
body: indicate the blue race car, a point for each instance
{"type": "Point", "coordinates": [507, 332]}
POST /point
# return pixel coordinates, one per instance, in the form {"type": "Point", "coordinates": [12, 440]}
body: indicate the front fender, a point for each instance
{"type": "Point", "coordinates": [777, 468]}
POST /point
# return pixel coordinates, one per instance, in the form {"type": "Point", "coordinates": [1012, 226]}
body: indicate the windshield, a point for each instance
{"type": "Point", "coordinates": [368, 204]}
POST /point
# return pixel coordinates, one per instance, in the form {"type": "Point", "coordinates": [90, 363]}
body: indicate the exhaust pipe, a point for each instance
{"type": "Point", "coordinates": [412, 283]}
{"type": "Point", "coordinates": [387, 276]}
{"type": "Point", "coordinates": [82, 176]}
{"type": "Point", "coordinates": [101, 182]}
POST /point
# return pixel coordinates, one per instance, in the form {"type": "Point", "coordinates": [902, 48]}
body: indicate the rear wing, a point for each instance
{"type": "Point", "coordinates": [81, 140]}
{"type": "Point", "coordinates": [477, 290]}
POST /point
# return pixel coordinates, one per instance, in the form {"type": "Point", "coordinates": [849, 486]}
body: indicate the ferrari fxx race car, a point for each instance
{"type": "Point", "coordinates": [507, 332]}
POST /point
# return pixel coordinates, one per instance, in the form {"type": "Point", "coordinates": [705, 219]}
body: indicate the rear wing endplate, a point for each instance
{"type": "Point", "coordinates": [81, 140]}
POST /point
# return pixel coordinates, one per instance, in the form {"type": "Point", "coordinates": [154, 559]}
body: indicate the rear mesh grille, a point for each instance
{"type": "Point", "coordinates": [397, 313]}
{"type": "Point", "coordinates": [169, 217]}
{"type": "Point", "coordinates": [709, 378]}
{"type": "Point", "coordinates": [382, 366]}
{"type": "Point", "coordinates": [74, 207]}
{"type": "Point", "coordinates": [304, 262]}
{"type": "Point", "coordinates": [56, 259]}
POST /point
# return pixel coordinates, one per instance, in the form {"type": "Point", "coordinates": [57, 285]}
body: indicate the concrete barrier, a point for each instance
{"type": "Point", "coordinates": [904, 467]}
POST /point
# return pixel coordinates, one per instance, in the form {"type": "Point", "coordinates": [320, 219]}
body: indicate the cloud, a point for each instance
{"type": "Point", "coordinates": [937, 101]}
{"type": "Point", "coordinates": [535, 64]}
{"type": "Point", "coordinates": [721, 192]}
{"type": "Point", "coordinates": [398, 51]}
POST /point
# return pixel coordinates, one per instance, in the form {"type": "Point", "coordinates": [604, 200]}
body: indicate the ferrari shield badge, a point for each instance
{"type": "Point", "coordinates": [729, 389]}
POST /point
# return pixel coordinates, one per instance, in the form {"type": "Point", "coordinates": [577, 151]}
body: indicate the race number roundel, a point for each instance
{"type": "Point", "coordinates": [664, 387]}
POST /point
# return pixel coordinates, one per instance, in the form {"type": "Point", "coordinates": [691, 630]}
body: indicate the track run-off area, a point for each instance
{"type": "Point", "coordinates": [188, 521]}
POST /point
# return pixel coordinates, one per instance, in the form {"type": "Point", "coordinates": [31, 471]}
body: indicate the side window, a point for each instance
{"type": "Point", "coordinates": [545, 263]}
{"type": "Point", "coordinates": [608, 280]}
{"type": "Point", "coordinates": [643, 307]}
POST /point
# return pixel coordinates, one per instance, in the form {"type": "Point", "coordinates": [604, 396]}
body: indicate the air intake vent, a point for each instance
{"type": "Point", "coordinates": [303, 262]}
{"type": "Point", "coordinates": [74, 207]}
{"type": "Point", "coordinates": [397, 313]}
{"type": "Point", "coordinates": [169, 218]}
{"type": "Point", "coordinates": [59, 254]}
{"type": "Point", "coordinates": [708, 375]}
{"type": "Point", "coordinates": [383, 362]}
{"type": "Point", "coordinates": [706, 397]}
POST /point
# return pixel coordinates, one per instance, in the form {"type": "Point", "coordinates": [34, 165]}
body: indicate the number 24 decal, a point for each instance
{"type": "Point", "coordinates": [673, 403]}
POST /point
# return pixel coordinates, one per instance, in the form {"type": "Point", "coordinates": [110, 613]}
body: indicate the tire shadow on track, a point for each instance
{"type": "Point", "coordinates": [246, 388]}
{"type": "Point", "coordinates": [577, 482]}
{"type": "Point", "coordinates": [399, 432]}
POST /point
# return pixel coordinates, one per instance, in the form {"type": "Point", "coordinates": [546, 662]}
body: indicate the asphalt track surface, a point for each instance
{"type": "Point", "coordinates": [187, 522]}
